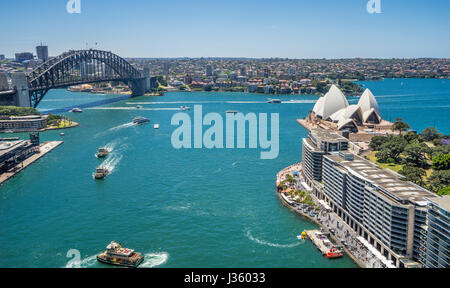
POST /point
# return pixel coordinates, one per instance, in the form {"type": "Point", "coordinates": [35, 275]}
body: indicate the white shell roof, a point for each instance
{"type": "Point", "coordinates": [346, 113]}
{"type": "Point", "coordinates": [368, 101]}
{"type": "Point", "coordinates": [344, 122]}
{"type": "Point", "coordinates": [331, 103]}
{"type": "Point", "coordinates": [367, 114]}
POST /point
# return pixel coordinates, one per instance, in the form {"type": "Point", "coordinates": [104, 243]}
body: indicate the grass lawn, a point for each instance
{"type": "Point", "coordinates": [63, 124]}
{"type": "Point", "coordinates": [393, 167]}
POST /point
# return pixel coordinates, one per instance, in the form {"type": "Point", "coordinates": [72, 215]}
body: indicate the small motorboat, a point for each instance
{"type": "Point", "coordinates": [139, 107]}
{"type": "Point", "coordinates": [274, 101]}
{"type": "Point", "coordinates": [140, 120]}
{"type": "Point", "coordinates": [232, 112]}
{"type": "Point", "coordinates": [156, 126]}
{"type": "Point", "coordinates": [184, 108]}
{"type": "Point", "coordinates": [62, 134]}
{"type": "Point", "coordinates": [334, 253]}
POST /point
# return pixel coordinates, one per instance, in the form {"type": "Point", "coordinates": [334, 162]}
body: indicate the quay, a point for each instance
{"type": "Point", "coordinates": [322, 219]}
{"type": "Point", "coordinates": [44, 149]}
{"type": "Point", "coordinates": [324, 245]}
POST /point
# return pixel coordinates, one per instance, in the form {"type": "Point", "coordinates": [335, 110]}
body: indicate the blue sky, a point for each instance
{"type": "Point", "coordinates": [230, 28]}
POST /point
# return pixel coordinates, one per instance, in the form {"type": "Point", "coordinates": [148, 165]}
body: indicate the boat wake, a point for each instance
{"type": "Point", "coordinates": [154, 259]}
{"type": "Point", "coordinates": [265, 243]}
{"type": "Point", "coordinates": [112, 163]}
{"type": "Point", "coordinates": [83, 263]}
{"type": "Point", "coordinates": [126, 125]}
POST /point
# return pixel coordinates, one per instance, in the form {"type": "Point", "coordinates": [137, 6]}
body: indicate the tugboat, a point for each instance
{"type": "Point", "coordinates": [334, 253]}
{"type": "Point", "coordinates": [140, 120]}
{"type": "Point", "coordinates": [101, 173]}
{"type": "Point", "coordinates": [116, 255]}
{"type": "Point", "coordinates": [102, 152]}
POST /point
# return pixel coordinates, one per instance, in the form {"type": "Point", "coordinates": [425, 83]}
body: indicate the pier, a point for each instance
{"type": "Point", "coordinates": [44, 148]}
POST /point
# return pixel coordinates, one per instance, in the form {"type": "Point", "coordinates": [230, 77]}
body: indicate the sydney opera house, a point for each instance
{"type": "Point", "coordinates": [334, 112]}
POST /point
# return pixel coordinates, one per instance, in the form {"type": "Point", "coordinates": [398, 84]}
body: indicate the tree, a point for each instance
{"type": "Point", "coordinates": [391, 149]}
{"type": "Point", "coordinates": [413, 174]}
{"type": "Point", "coordinates": [377, 141]}
{"type": "Point", "coordinates": [444, 191]}
{"type": "Point", "coordinates": [439, 180]}
{"type": "Point", "coordinates": [430, 133]}
{"type": "Point", "coordinates": [441, 162]}
{"type": "Point", "coordinates": [400, 125]}
{"type": "Point", "coordinates": [415, 154]}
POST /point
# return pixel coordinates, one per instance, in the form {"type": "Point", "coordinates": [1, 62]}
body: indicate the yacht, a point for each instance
{"type": "Point", "coordinates": [76, 110]}
{"type": "Point", "coordinates": [140, 120]}
{"type": "Point", "coordinates": [184, 108]}
{"type": "Point", "coordinates": [116, 255]}
{"type": "Point", "coordinates": [274, 101]}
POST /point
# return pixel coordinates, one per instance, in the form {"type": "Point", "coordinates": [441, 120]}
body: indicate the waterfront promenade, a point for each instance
{"type": "Point", "coordinates": [45, 148]}
{"type": "Point", "coordinates": [329, 222]}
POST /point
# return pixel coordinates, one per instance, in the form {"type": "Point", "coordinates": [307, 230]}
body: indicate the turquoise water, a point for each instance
{"type": "Point", "coordinates": [181, 208]}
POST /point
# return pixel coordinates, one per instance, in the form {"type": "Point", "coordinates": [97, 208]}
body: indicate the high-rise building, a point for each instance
{"type": "Point", "coordinates": [2, 57]}
{"type": "Point", "coordinates": [406, 223]}
{"type": "Point", "coordinates": [438, 233]}
{"type": "Point", "coordinates": [24, 56]}
{"type": "Point", "coordinates": [42, 52]}
{"type": "Point", "coordinates": [209, 70]}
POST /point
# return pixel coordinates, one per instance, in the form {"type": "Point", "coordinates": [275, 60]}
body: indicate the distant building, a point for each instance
{"type": "Point", "coordinates": [24, 123]}
{"type": "Point", "coordinates": [42, 53]}
{"type": "Point", "coordinates": [209, 70]}
{"type": "Point", "coordinates": [24, 56]}
{"type": "Point", "coordinates": [15, 152]}
{"type": "Point", "coordinates": [3, 82]}
{"type": "Point", "coordinates": [2, 57]}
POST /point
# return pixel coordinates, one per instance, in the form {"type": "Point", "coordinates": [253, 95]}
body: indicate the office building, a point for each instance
{"type": "Point", "coordinates": [42, 53]}
{"type": "Point", "coordinates": [438, 233]}
{"type": "Point", "coordinates": [3, 82]}
{"type": "Point", "coordinates": [24, 56]}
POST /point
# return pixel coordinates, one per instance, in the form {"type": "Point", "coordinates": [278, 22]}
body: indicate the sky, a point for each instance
{"type": "Point", "coordinates": [230, 28]}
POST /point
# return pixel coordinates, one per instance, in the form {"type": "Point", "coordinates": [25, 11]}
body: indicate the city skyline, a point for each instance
{"type": "Point", "coordinates": [289, 29]}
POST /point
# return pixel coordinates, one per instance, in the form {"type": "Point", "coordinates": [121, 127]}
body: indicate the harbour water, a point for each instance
{"type": "Point", "coordinates": [180, 208]}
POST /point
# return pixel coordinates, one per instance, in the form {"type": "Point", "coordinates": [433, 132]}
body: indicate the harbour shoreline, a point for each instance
{"type": "Point", "coordinates": [309, 218]}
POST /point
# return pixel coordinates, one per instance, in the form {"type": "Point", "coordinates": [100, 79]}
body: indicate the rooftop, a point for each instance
{"type": "Point", "coordinates": [387, 180]}
{"type": "Point", "coordinates": [327, 135]}
{"type": "Point", "coordinates": [443, 202]}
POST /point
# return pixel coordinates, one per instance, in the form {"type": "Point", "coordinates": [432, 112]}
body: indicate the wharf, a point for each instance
{"type": "Point", "coordinates": [314, 235]}
{"type": "Point", "coordinates": [45, 148]}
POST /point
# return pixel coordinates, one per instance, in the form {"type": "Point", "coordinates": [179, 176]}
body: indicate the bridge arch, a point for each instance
{"type": "Point", "coordinates": [67, 70]}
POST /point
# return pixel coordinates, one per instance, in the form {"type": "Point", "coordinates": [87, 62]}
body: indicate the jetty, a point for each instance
{"type": "Point", "coordinates": [44, 148]}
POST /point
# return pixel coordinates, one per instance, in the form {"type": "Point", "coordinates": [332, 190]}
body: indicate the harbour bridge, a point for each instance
{"type": "Point", "coordinates": [83, 67]}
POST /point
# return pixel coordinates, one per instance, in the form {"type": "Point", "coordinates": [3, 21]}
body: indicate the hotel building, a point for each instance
{"type": "Point", "coordinates": [396, 217]}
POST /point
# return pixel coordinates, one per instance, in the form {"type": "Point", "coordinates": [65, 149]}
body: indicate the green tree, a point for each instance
{"type": "Point", "coordinates": [377, 141]}
{"type": "Point", "coordinates": [415, 154]}
{"type": "Point", "coordinates": [441, 162]}
{"type": "Point", "coordinates": [400, 125]}
{"type": "Point", "coordinates": [391, 149]}
{"type": "Point", "coordinates": [430, 133]}
{"type": "Point", "coordinates": [444, 191]}
{"type": "Point", "coordinates": [413, 174]}
{"type": "Point", "coordinates": [439, 180]}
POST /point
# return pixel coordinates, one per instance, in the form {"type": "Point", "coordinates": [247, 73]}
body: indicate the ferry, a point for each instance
{"type": "Point", "coordinates": [102, 152]}
{"type": "Point", "coordinates": [274, 101]}
{"type": "Point", "coordinates": [116, 255]}
{"type": "Point", "coordinates": [76, 110]}
{"type": "Point", "coordinates": [101, 173]}
{"type": "Point", "coordinates": [334, 253]}
{"type": "Point", "coordinates": [140, 120]}
{"type": "Point", "coordinates": [184, 108]}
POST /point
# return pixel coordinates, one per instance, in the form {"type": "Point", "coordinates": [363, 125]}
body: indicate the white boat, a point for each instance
{"type": "Point", "coordinates": [184, 108]}
{"type": "Point", "coordinates": [156, 126]}
{"type": "Point", "coordinates": [274, 101]}
{"type": "Point", "coordinates": [76, 110]}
